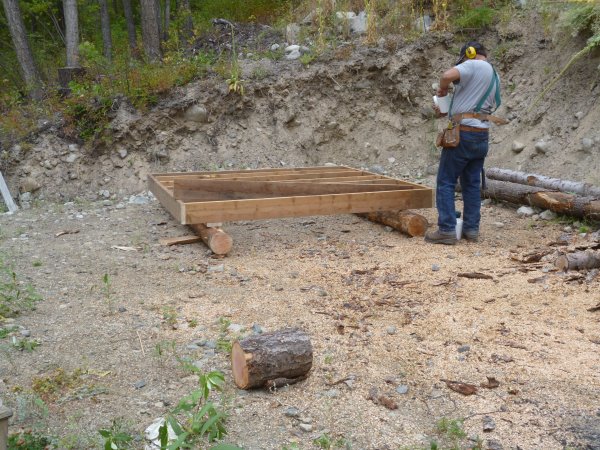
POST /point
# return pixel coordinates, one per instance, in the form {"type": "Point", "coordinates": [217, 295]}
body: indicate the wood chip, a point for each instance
{"type": "Point", "coordinates": [594, 308]}
{"type": "Point", "coordinates": [491, 383]}
{"type": "Point", "coordinates": [179, 240]}
{"type": "Point", "coordinates": [63, 232]}
{"type": "Point", "coordinates": [461, 388]}
{"type": "Point", "coordinates": [476, 275]}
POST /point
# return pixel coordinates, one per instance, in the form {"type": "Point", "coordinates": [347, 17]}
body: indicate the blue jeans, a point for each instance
{"type": "Point", "coordinates": [464, 162]}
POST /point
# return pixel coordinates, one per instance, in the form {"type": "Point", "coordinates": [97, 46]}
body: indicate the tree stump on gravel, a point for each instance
{"type": "Point", "coordinates": [272, 359]}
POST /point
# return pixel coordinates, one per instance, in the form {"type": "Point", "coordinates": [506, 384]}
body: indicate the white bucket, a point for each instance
{"type": "Point", "coordinates": [443, 103]}
{"type": "Point", "coordinates": [459, 225]}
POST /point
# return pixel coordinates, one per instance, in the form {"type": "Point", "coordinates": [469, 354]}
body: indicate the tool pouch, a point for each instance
{"type": "Point", "coordinates": [449, 137]}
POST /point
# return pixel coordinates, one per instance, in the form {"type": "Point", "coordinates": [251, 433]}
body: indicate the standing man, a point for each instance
{"type": "Point", "coordinates": [476, 96]}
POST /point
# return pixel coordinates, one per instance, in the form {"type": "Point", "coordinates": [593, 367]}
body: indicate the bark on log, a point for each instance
{"type": "Point", "coordinates": [407, 222]}
{"type": "Point", "coordinates": [559, 202]}
{"type": "Point", "coordinates": [215, 238]}
{"type": "Point", "coordinates": [552, 184]}
{"type": "Point", "coordinates": [260, 360]}
{"type": "Point", "coordinates": [578, 261]}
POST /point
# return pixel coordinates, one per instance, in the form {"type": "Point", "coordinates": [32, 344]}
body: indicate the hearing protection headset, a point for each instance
{"type": "Point", "coordinates": [470, 50]}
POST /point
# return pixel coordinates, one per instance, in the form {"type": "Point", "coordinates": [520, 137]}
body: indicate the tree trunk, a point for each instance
{"type": "Point", "coordinates": [553, 184]}
{"type": "Point", "coordinates": [105, 25]}
{"type": "Point", "coordinates": [559, 202]}
{"type": "Point", "coordinates": [159, 18]}
{"type": "Point", "coordinates": [407, 222]}
{"type": "Point", "coordinates": [29, 71]}
{"type": "Point", "coordinates": [579, 260]}
{"type": "Point", "coordinates": [187, 28]}
{"type": "Point", "coordinates": [214, 238]}
{"type": "Point", "coordinates": [150, 33]}
{"type": "Point", "coordinates": [167, 20]}
{"type": "Point", "coordinates": [130, 27]}
{"type": "Point", "coordinates": [71, 32]}
{"type": "Point", "coordinates": [271, 358]}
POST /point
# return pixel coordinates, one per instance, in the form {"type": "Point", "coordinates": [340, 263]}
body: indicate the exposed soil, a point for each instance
{"type": "Point", "coordinates": [384, 311]}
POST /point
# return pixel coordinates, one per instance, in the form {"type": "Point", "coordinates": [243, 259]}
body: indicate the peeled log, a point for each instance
{"type": "Point", "coordinates": [559, 202]}
{"type": "Point", "coordinates": [215, 238]}
{"type": "Point", "coordinates": [266, 359]}
{"type": "Point", "coordinates": [407, 222]}
{"type": "Point", "coordinates": [552, 184]}
{"type": "Point", "coordinates": [578, 261]}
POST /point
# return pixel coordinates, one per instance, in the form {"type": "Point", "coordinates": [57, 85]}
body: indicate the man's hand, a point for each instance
{"type": "Point", "coordinates": [442, 92]}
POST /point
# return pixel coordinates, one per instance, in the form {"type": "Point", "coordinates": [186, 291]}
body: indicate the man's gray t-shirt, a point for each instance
{"type": "Point", "coordinates": [475, 78]}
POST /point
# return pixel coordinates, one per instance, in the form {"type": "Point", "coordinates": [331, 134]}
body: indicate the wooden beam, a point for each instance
{"type": "Point", "coordinates": [268, 208]}
{"type": "Point", "coordinates": [179, 240]}
{"type": "Point", "coordinates": [5, 414]}
{"type": "Point", "coordinates": [174, 206]}
{"type": "Point", "coordinates": [192, 190]}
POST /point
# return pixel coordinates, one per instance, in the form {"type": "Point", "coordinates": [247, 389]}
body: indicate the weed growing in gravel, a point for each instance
{"type": "Point", "coordinates": [49, 387]}
{"type": "Point", "coordinates": [28, 440]}
{"type": "Point", "coordinates": [196, 419]}
{"type": "Point", "coordinates": [5, 331]}
{"type": "Point", "coordinates": [117, 437]}
{"type": "Point", "coordinates": [107, 291]}
{"type": "Point", "coordinates": [15, 296]}
{"type": "Point", "coordinates": [326, 442]}
{"type": "Point", "coordinates": [25, 344]}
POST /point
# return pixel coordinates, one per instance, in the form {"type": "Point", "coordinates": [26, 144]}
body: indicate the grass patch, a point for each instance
{"type": "Point", "coordinates": [15, 295]}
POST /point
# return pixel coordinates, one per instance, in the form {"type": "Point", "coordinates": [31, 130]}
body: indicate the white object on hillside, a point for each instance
{"type": "Point", "coordinates": [8, 200]}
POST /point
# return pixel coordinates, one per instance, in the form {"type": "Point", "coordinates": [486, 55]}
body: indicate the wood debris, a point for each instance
{"type": "Point", "coordinates": [63, 232]}
{"type": "Point", "coordinates": [475, 275]}
{"type": "Point", "coordinates": [460, 387]}
{"type": "Point", "coordinates": [491, 383]}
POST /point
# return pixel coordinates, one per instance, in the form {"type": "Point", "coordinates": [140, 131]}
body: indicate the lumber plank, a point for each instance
{"type": "Point", "coordinates": [174, 206]}
{"type": "Point", "coordinates": [268, 208]}
{"type": "Point", "coordinates": [190, 190]}
{"type": "Point", "coordinates": [8, 200]}
{"type": "Point", "coordinates": [179, 240]}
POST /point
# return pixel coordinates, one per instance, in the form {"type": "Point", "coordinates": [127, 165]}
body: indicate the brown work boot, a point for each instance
{"type": "Point", "coordinates": [441, 237]}
{"type": "Point", "coordinates": [472, 236]}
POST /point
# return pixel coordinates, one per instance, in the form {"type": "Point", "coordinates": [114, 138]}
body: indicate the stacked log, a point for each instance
{"type": "Point", "coordinates": [533, 193]}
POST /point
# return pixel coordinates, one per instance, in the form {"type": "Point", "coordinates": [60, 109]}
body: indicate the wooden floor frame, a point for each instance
{"type": "Point", "coordinates": [207, 197]}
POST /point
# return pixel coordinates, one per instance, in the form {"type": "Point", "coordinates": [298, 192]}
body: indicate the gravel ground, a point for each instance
{"type": "Point", "coordinates": [385, 312]}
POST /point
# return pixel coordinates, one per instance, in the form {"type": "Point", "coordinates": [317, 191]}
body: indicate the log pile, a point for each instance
{"type": "Point", "coordinates": [561, 196]}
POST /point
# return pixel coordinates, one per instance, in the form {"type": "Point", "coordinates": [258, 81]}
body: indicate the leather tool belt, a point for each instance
{"type": "Point", "coordinates": [449, 137]}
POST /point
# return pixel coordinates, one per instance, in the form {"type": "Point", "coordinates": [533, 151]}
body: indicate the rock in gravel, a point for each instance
{"type": "Point", "coordinates": [435, 267]}
{"type": "Point", "coordinates": [139, 384]}
{"type": "Point", "coordinates": [25, 333]}
{"type": "Point", "coordinates": [377, 169]}
{"type": "Point", "coordinates": [493, 444]}
{"type": "Point", "coordinates": [291, 411]}
{"type": "Point", "coordinates": [390, 330]}
{"type": "Point", "coordinates": [464, 348]}
{"type": "Point", "coordinates": [579, 115]}
{"type": "Point", "coordinates": [499, 224]}
{"type": "Point", "coordinates": [587, 144]}
{"type": "Point", "coordinates": [548, 215]}
{"type": "Point", "coordinates": [489, 424]}
{"type": "Point", "coordinates": [542, 147]}
{"type": "Point", "coordinates": [402, 389]}
{"type": "Point", "coordinates": [305, 419]}
{"type": "Point", "coordinates": [257, 329]}
{"type": "Point", "coordinates": [517, 147]}
{"type": "Point", "coordinates": [235, 328]}
{"type": "Point", "coordinates": [331, 393]}
{"type": "Point", "coordinates": [525, 211]}
{"type": "Point", "coordinates": [305, 427]}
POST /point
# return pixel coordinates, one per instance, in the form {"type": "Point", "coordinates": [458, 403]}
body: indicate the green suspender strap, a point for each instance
{"type": "Point", "coordinates": [495, 81]}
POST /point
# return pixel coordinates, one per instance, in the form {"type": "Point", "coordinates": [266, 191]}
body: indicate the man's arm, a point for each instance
{"type": "Point", "coordinates": [448, 77]}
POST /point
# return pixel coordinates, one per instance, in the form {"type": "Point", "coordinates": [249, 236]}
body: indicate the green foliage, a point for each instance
{"type": "Point", "coordinates": [327, 442]}
{"type": "Point", "coordinates": [116, 437]}
{"type": "Point", "coordinates": [28, 440]}
{"type": "Point", "coordinates": [15, 296]}
{"type": "Point", "coordinates": [196, 420]}
{"type": "Point", "coordinates": [4, 332]}
{"type": "Point", "coordinates": [475, 18]}
{"type": "Point", "coordinates": [25, 344]}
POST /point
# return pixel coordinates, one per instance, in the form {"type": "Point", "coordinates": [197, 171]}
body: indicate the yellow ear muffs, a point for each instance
{"type": "Point", "coordinates": [470, 52]}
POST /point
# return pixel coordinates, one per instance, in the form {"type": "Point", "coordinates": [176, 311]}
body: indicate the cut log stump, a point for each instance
{"type": "Point", "coordinates": [215, 238]}
{"type": "Point", "coordinates": [579, 260]}
{"type": "Point", "coordinates": [407, 222]}
{"type": "Point", "coordinates": [272, 359]}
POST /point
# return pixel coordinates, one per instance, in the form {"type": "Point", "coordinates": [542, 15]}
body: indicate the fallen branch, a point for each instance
{"type": "Point", "coordinates": [579, 260]}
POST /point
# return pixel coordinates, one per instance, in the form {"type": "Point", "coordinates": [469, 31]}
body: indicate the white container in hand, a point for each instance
{"type": "Point", "coordinates": [443, 103]}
